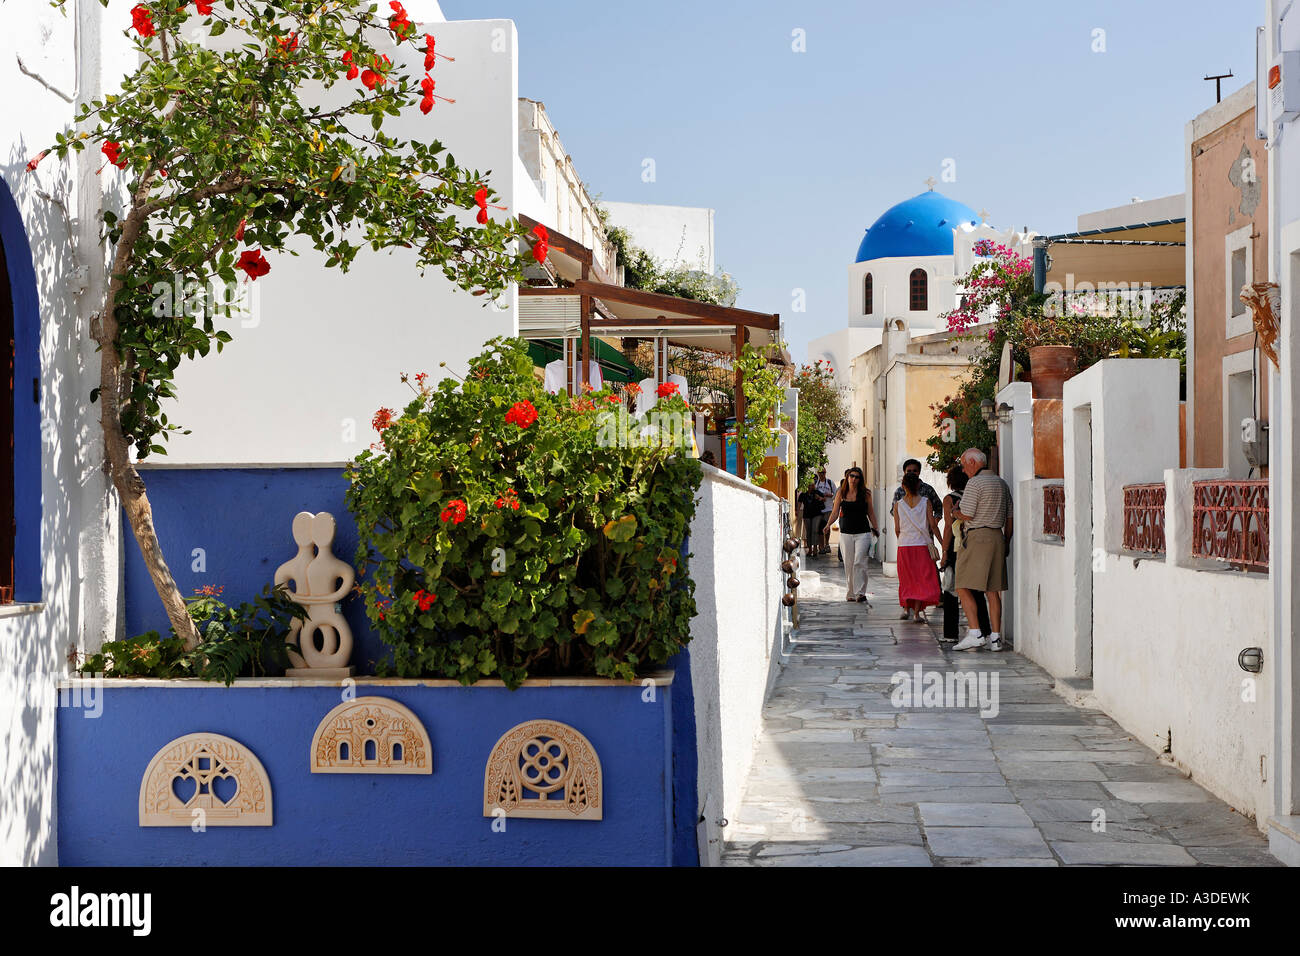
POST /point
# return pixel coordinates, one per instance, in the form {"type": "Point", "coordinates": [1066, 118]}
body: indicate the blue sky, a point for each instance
{"type": "Point", "coordinates": [800, 152]}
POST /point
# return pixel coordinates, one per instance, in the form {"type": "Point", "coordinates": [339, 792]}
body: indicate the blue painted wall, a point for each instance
{"type": "Point", "coordinates": [242, 519]}
{"type": "Point", "coordinates": [27, 410]}
{"type": "Point", "coordinates": [365, 819]}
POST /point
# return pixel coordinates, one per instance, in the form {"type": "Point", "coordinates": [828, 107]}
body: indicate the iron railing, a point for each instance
{"type": "Point", "coordinates": [1230, 522]}
{"type": "Point", "coordinates": [1054, 510]}
{"type": "Point", "coordinates": [1144, 518]}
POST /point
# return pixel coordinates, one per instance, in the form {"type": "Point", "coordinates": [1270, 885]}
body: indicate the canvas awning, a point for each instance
{"type": "Point", "coordinates": [1143, 254]}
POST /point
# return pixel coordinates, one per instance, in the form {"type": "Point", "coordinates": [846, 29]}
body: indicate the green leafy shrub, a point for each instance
{"type": "Point", "coordinates": [510, 533]}
{"type": "Point", "coordinates": [236, 642]}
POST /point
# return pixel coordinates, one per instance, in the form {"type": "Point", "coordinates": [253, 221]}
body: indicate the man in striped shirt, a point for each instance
{"type": "Point", "coordinates": [985, 513]}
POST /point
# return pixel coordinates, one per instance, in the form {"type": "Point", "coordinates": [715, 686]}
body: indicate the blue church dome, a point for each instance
{"type": "Point", "coordinates": [920, 226]}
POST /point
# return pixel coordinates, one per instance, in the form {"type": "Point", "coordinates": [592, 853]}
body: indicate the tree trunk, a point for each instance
{"type": "Point", "coordinates": [117, 451]}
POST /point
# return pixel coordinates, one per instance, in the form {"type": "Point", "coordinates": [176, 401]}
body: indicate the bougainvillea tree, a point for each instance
{"type": "Point", "coordinates": [234, 150]}
{"type": "Point", "coordinates": [823, 416]}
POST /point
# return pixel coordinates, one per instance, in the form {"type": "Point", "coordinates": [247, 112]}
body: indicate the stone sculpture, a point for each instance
{"type": "Point", "coordinates": [319, 581]}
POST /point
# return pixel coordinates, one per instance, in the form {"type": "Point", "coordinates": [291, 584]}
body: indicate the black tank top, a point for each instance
{"type": "Point", "coordinates": [853, 516]}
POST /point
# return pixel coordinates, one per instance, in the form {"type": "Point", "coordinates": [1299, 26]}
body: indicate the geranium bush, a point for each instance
{"type": "Point", "coordinates": [508, 533]}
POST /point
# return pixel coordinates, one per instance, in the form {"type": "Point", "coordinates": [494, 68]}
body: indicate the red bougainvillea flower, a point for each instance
{"type": "Point", "coordinates": [35, 161]}
{"type": "Point", "coordinates": [455, 511]}
{"type": "Point", "coordinates": [142, 20]}
{"type": "Point", "coordinates": [239, 231]}
{"type": "Point", "coordinates": [254, 263]}
{"type": "Point", "coordinates": [383, 418]}
{"type": "Point", "coordinates": [423, 599]}
{"type": "Point", "coordinates": [543, 243]}
{"type": "Point", "coordinates": [111, 150]}
{"type": "Point", "coordinates": [522, 414]}
{"type": "Point", "coordinates": [665, 389]}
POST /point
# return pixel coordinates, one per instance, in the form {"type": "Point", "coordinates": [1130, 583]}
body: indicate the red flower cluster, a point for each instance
{"type": "Point", "coordinates": [632, 388]}
{"type": "Point", "coordinates": [371, 78]}
{"type": "Point", "coordinates": [112, 151]}
{"type": "Point", "coordinates": [613, 399]}
{"type": "Point", "coordinates": [209, 590]}
{"type": "Point", "coordinates": [350, 63]}
{"type": "Point", "coordinates": [380, 606]}
{"type": "Point", "coordinates": [421, 378]}
{"type": "Point", "coordinates": [142, 20]}
{"type": "Point", "coordinates": [543, 243]}
{"type": "Point", "coordinates": [508, 500]}
{"type": "Point", "coordinates": [254, 263]}
{"type": "Point", "coordinates": [399, 22]}
{"type": "Point", "coordinates": [584, 405]}
{"type": "Point", "coordinates": [666, 388]}
{"type": "Point", "coordinates": [522, 414]}
{"type": "Point", "coordinates": [423, 599]}
{"type": "Point", "coordinates": [383, 418]}
{"type": "Point", "coordinates": [455, 511]}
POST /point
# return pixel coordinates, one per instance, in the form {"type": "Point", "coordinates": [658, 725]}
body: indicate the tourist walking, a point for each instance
{"type": "Point", "coordinates": [826, 488]}
{"type": "Point", "coordinates": [985, 510]}
{"type": "Point", "coordinates": [852, 508]}
{"type": "Point", "coordinates": [953, 529]}
{"type": "Point", "coordinates": [913, 467]}
{"type": "Point", "coordinates": [916, 529]}
{"type": "Point", "coordinates": [812, 510]}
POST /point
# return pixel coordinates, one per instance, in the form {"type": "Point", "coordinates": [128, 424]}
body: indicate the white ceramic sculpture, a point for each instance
{"type": "Point", "coordinates": [319, 581]}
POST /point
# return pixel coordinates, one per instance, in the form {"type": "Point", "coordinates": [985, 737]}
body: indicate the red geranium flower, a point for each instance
{"type": "Point", "coordinates": [142, 20]}
{"type": "Point", "coordinates": [380, 606]}
{"type": "Point", "coordinates": [522, 414]}
{"type": "Point", "coordinates": [383, 418]}
{"type": "Point", "coordinates": [455, 511]}
{"type": "Point", "coordinates": [613, 399]}
{"type": "Point", "coordinates": [254, 263]}
{"type": "Point", "coordinates": [666, 388]}
{"type": "Point", "coordinates": [424, 599]}
{"type": "Point", "coordinates": [111, 150]}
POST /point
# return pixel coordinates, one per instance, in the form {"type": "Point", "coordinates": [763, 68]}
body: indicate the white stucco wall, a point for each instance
{"type": "Point", "coordinates": [80, 55]}
{"type": "Point", "coordinates": [328, 348]}
{"type": "Point", "coordinates": [735, 637]}
{"type": "Point", "coordinates": [674, 235]}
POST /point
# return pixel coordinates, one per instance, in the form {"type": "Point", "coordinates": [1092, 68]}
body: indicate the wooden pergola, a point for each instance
{"type": "Point", "coordinates": [593, 304]}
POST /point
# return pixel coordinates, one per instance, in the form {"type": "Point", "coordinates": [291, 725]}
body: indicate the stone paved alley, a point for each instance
{"type": "Point", "coordinates": [843, 778]}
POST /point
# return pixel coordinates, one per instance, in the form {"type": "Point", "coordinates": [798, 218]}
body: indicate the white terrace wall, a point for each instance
{"type": "Point", "coordinates": [736, 635]}
{"type": "Point", "coordinates": [1158, 634]}
{"type": "Point", "coordinates": [50, 220]}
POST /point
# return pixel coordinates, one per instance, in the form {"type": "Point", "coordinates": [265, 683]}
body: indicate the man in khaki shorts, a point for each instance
{"type": "Point", "coordinates": [985, 512]}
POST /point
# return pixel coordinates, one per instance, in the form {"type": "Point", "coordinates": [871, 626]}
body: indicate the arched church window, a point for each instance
{"type": "Point", "coordinates": [920, 291]}
{"type": "Point", "coordinates": [866, 294]}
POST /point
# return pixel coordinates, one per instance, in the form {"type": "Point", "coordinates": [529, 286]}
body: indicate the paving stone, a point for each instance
{"type": "Point", "coordinates": [959, 861]}
{"type": "Point", "coordinates": [1059, 789]}
{"type": "Point", "coordinates": [973, 815]}
{"type": "Point", "coordinates": [853, 856]}
{"type": "Point", "coordinates": [1181, 791]}
{"type": "Point", "coordinates": [892, 779]}
{"type": "Point", "coordinates": [1138, 831]}
{"type": "Point", "coordinates": [986, 842]}
{"type": "Point", "coordinates": [1123, 854]}
{"type": "Point", "coordinates": [1055, 770]}
{"type": "Point", "coordinates": [1234, 856]}
{"type": "Point", "coordinates": [950, 795]}
{"type": "Point", "coordinates": [1056, 810]}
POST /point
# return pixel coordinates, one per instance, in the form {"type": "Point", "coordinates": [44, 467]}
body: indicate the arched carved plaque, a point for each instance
{"type": "Point", "coordinates": [543, 769]}
{"type": "Point", "coordinates": [205, 778]}
{"type": "Point", "coordinates": [371, 735]}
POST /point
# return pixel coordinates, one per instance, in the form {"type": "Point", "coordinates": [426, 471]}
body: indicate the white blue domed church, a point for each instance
{"type": "Point", "coordinates": [900, 284]}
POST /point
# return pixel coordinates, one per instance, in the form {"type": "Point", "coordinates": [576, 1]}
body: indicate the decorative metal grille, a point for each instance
{"type": "Point", "coordinates": [1230, 522]}
{"type": "Point", "coordinates": [1054, 510]}
{"type": "Point", "coordinates": [1144, 518]}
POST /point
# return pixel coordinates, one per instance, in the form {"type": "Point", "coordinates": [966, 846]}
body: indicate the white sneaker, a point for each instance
{"type": "Point", "coordinates": [995, 642]}
{"type": "Point", "coordinates": [969, 642]}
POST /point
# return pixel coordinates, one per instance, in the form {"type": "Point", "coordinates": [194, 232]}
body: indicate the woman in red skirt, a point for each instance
{"type": "Point", "coordinates": [916, 528]}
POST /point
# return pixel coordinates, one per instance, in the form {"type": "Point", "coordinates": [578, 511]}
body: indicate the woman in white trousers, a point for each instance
{"type": "Point", "coordinates": [857, 519]}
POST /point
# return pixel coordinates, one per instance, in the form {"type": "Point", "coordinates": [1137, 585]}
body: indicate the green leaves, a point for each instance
{"type": "Point", "coordinates": [560, 584]}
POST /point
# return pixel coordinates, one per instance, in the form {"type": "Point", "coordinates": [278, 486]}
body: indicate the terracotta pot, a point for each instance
{"type": "Point", "coordinates": [1049, 367]}
{"type": "Point", "coordinates": [1049, 439]}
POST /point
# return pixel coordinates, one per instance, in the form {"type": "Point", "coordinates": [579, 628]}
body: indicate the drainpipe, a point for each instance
{"type": "Point", "coordinates": [1040, 265]}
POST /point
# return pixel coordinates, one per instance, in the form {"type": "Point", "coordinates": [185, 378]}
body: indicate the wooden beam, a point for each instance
{"type": "Point", "coordinates": [741, 337]}
{"type": "Point", "coordinates": [682, 307]}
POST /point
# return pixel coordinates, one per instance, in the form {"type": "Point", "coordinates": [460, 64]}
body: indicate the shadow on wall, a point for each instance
{"type": "Point", "coordinates": [38, 257]}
